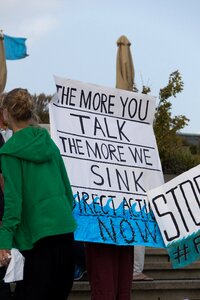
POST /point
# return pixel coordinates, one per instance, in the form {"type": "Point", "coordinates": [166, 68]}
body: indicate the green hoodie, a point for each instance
{"type": "Point", "coordinates": [37, 192]}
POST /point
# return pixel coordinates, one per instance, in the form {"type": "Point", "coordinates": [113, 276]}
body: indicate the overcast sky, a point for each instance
{"type": "Point", "coordinates": [76, 39]}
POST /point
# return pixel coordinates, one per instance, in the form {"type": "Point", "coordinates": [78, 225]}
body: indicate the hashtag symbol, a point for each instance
{"type": "Point", "coordinates": [181, 253]}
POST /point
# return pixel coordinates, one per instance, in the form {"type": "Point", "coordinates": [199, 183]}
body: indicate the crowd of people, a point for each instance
{"type": "Point", "coordinates": [36, 212]}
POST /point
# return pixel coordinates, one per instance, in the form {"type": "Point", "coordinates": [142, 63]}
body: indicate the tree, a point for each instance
{"type": "Point", "coordinates": [41, 105]}
{"type": "Point", "coordinates": [170, 144]}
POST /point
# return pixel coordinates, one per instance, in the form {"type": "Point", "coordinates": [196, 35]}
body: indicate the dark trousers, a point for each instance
{"type": "Point", "coordinates": [110, 271]}
{"type": "Point", "coordinates": [5, 292]}
{"type": "Point", "coordinates": [48, 270]}
{"type": "Point", "coordinates": [79, 254]}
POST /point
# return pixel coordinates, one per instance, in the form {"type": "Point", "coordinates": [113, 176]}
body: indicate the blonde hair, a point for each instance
{"type": "Point", "coordinates": [19, 104]}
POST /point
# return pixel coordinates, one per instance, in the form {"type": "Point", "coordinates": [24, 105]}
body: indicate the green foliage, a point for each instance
{"type": "Point", "coordinates": [166, 126]}
{"type": "Point", "coordinates": [179, 161]}
{"type": "Point", "coordinates": [146, 89]}
{"type": "Point", "coordinates": [41, 105]}
{"type": "Point", "coordinates": [170, 145]}
{"type": "Point", "coordinates": [193, 149]}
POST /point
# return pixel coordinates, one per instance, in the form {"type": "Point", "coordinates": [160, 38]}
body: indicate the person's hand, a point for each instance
{"type": "Point", "coordinates": [4, 257]}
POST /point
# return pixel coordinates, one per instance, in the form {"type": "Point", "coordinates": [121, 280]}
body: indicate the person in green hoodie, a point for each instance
{"type": "Point", "coordinates": [38, 199]}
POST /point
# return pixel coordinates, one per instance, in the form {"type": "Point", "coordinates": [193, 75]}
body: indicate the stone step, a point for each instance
{"type": "Point", "coordinates": [156, 251]}
{"type": "Point", "coordinates": [156, 254]}
{"type": "Point", "coordinates": [153, 290]}
{"type": "Point", "coordinates": [164, 270]}
{"type": "Point", "coordinates": [167, 290]}
{"type": "Point", "coordinates": [151, 250]}
{"type": "Point", "coordinates": [158, 266]}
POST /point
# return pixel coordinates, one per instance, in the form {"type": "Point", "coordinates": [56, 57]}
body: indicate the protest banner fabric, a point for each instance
{"type": "Point", "coordinates": [106, 139]}
{"type": "Point", "coordinates": [176, 206]}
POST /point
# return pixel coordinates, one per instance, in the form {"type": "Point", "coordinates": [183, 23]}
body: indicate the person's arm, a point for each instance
{"type": "Point", "coordinates": [12, 173]}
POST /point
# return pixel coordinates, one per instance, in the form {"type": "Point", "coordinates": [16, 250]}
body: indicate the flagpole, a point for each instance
{"type": "Point", "coordinates": [3, 69]}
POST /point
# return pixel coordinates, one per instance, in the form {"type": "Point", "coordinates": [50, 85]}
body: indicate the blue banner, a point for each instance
{"type": "Point", "coordinates": [184, 251]}
{"type": "Point", "coordinates": [124, 225]}
{"type": "Point", "coordinates": [15, 47]}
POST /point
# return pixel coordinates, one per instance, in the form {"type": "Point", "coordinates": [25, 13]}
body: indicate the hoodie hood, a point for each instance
{"type": "Point", "coordinates": [30, 143]}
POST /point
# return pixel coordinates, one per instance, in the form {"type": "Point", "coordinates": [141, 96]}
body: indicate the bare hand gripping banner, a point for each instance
{"type": "Point", "coordinates": [106, 139]}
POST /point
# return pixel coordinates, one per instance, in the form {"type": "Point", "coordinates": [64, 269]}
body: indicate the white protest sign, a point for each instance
{"type": "Point", "coordinates": [176, 206]}
{"type": "Point", "coordinates": [106, 139]}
